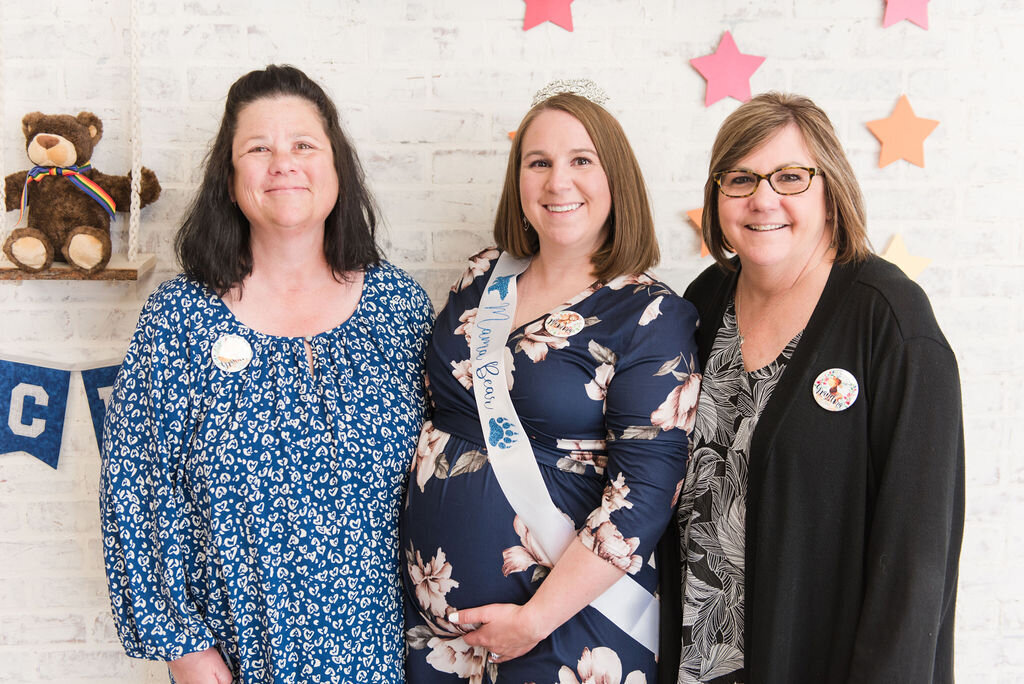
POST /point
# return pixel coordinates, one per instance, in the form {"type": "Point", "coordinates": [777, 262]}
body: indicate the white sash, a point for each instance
{"type": "Point", "coordinates": [631, 607]}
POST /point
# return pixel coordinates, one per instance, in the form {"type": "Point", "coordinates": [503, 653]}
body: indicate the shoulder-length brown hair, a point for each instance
{"type": "Point", "coordinates": [631, 245]}
{"type": "Point", "coordinates": [753, 124]}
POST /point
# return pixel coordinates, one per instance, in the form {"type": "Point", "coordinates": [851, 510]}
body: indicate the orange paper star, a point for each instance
{"type": "Point", "coordinates": [897, 253]}
{"type": "Point", "coordinates": [902, 134]}
{"type": "Point", "coordinates": [696, 215]}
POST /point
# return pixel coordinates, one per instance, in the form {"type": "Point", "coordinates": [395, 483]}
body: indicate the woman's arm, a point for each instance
{"type": "Point", "coordinates": [648, 413]}
{"type": "Point", "coordinates": [145, 520]}
{"type": "Point", "coordinates": [512, 630]}
{"type": "Point", "coordinates": [913, 546]}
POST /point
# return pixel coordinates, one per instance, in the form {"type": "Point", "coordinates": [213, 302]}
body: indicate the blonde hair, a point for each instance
{"type": "Point", "coordinates": [752, 125]}
{"type": "Point", "coordinates": [631, 245]}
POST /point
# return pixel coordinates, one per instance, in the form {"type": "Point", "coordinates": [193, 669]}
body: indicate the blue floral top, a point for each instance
{"type": "Point", "coordinates": [256, 510]}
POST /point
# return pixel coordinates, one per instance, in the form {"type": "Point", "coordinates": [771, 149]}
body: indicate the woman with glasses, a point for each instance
{"type": "Point", "coordinates": [822, 511]}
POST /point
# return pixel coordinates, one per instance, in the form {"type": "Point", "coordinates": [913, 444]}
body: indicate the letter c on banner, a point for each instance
{"type": "Point", "coordinates": [14, 418]}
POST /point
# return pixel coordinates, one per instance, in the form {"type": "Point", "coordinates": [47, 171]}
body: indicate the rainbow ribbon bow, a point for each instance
{"type": "Point", "coordinates": [77, 178]}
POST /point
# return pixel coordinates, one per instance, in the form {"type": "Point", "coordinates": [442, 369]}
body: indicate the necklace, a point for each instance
{"type": "Point", "coordinates": [736, 313]}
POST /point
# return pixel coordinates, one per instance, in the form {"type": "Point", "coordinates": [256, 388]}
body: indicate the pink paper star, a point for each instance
{"type": "Point", "coordinates": [727, 71]}
{"type": "Point", "coordinates": [911, 10]}
{"type": "Point", "coordinates": [555, 11]}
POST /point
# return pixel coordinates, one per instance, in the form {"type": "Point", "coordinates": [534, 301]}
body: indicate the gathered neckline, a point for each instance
{"type": "Point", "coordinates": [369, 274]}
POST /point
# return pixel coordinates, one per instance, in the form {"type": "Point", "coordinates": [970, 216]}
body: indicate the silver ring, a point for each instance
{"type": "Point", "coordinates": [495, 656]}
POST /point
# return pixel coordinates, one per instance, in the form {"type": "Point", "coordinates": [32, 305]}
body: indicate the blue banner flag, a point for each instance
{"type": "Point", "coordinates": [99, 383]}
{"type": "Point", "coordinates": [33, 400]}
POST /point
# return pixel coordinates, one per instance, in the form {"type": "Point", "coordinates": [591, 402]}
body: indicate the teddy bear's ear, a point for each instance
{"type": "Point", "coordinates": [28, 124]}
{"type": "Point", "coordinates": [93, 123]}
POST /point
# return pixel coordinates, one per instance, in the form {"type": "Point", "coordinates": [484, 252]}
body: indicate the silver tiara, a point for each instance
{"type": "Point", "coordinates": [583, 87]}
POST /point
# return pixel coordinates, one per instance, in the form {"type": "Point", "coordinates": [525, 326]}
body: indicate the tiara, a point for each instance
{"type": "Point", "coordinates": [583, 87]}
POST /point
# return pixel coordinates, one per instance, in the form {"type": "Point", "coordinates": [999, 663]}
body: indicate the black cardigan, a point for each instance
{"type": "Point", "coordinates": [854, 518]}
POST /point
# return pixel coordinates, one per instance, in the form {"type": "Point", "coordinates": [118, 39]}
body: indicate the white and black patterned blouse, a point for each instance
{"type": "Point", "coordinates": [712, 508]}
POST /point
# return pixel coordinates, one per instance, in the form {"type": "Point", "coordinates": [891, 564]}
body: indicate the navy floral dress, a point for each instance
{"type": "Point", "coordinates": [256, 509]}
{"type": "Point", "coordinates": [608, 411]}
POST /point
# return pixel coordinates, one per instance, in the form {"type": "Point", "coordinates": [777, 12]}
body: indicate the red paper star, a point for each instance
{"type": "Point", "coordinates": [902, 134]}
{"type": "Point", "coordinates": [555, 11]}
{"type": "Point", "coordinates": [911, 10]}
{"type": "Point", "coordinates": [727, 71]}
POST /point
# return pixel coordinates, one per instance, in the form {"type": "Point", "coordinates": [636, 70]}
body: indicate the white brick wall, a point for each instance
{"type": "Point", "coordinates": [429, 90]}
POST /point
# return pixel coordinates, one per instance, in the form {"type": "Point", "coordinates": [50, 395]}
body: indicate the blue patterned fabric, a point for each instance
{"type": "Point", "coordinates": [258, 510]}
{"type": "Point", "coordinates": [607, 412]}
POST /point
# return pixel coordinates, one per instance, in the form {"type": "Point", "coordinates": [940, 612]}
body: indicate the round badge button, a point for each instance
{"type": "Point", "coordinates": [835, 389]}
{"type": "Point", "coordinates": [564, 323]}
{"type": "Point", "coordinates": [231, 353]}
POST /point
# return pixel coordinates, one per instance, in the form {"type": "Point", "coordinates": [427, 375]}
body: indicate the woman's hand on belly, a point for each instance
{"type": "Point", "coordinates": [506, 630]}
{"type": "Point", "coordinates": [509, 631]}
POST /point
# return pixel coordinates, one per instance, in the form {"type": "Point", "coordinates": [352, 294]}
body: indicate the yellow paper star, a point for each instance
{"type": "Point", "coordinates": [902, 134]}
{"type": "Point", "coordinates": [695, 215]}
{"type": "Point", "coordinates": [897, 253]}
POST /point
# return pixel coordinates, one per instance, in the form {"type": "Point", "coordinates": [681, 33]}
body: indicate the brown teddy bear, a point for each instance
{"type": "Point", "coordinates": [69, 203]}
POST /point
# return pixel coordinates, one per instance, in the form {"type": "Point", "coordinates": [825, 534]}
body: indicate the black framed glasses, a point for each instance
{"type": "Point", "coordinates": [788, 180]}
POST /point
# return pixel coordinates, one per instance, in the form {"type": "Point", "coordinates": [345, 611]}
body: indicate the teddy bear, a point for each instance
{"type": "Point", "coordinates": [69, 203]}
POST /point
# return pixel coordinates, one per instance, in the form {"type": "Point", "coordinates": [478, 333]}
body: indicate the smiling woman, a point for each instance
{"type": "Point", "coordinates": [214, 241]}
{"type": "Point", "coordinates": [563, 384]}
{"type": "Point", "coordinates": [284, 176]}
{"type": "Point", "coordinates": [629, 244]}
{"type": "Point", "coordinates": [822, 510]}
{"type": "Point", "coordinates": [565, 193]}
{"type": "Point", "coordinates": [248, 482]}
{"type": "Point", "coordinates": [781, 234]}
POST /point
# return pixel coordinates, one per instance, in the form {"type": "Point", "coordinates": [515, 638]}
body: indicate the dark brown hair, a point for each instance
{"type": "Point", "coordinates": [213, 241]}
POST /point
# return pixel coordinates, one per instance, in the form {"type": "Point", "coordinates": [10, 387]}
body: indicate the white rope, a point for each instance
{"type": "Point", "coordinates": [136, 128]}
{"type": "Point", "coordinates": [3, 176]}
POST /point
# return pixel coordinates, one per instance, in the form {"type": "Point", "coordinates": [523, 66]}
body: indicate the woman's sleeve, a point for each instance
{"type": "Point", "coordinates": [146, 521]}
{"type": "Point", "coordinates": [423, 323]}
{"type": "Point", "coordinates": [914, 535]}
{"type": "Point", "coordinates": [651, 401]}
{"type": "Point", "coordinates": [423, 328]}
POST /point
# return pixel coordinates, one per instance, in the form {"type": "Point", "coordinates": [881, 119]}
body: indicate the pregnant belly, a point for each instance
{"type": "Point", "coordinates": [462, 545]}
